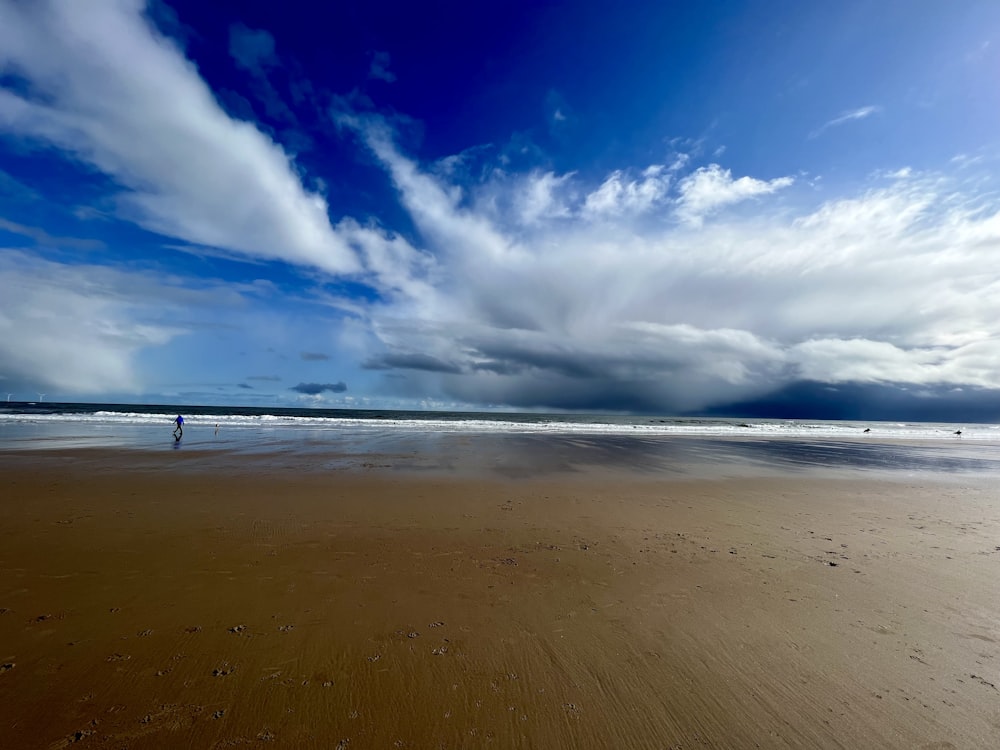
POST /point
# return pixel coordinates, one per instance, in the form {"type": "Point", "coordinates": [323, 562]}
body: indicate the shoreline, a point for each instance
{"type": "Point", "coordinates": [146, 607]}
{"type": "Point", "coordinates": [512, 455]}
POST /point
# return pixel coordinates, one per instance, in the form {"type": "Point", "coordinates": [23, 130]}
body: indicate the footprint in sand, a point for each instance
{"type": "Point", "coordinates": [285, 628]}
{"type": "Point", "coordinates": [80, 735]}
{"type": "Point", "coordinates": [6, 667]}
{"type": "Point", "coordinates": [983, 681]}
{"type": "Point", "coordinates": [237, 629]}
{"type": "Point", "coordinates": [436, 625]}
{"type": "Point", "coordinates": [223, 671]}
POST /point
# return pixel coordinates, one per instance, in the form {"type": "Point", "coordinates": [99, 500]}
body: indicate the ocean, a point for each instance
{"type": "Point", "coordinates": [517, 444]}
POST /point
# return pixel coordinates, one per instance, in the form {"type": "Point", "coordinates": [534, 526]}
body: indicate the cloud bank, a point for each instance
{"type": "Point", "coordinates": [679, 303]}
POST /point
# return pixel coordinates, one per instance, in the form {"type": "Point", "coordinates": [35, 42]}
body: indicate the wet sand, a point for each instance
{"type": "Point", "coordinates": [145, 607]}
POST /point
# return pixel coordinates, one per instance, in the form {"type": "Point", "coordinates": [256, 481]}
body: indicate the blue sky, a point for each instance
{"type": "Point", "coordinates": [756, 207]}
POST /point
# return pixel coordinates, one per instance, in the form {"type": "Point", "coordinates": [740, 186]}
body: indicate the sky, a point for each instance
{"type": "Point", "coordinates": [762, 207]}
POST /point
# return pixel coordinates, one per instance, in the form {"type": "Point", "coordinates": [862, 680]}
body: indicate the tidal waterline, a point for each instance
{"type": "Point", "coordinates": [496, 453]}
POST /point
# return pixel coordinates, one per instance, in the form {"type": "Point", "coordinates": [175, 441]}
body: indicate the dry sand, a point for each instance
{"type": "Point", "coordinates": [145, 609]}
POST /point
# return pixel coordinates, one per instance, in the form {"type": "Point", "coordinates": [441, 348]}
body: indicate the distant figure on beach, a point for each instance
{"type": "Point", "coordinates": [958, 432]}
{"type": "Point", "coordinates": [216, 428]}
{"type": "Point", "coordinates": [179, 429]}
{"type": "Point", "coordinates": [868, 429]}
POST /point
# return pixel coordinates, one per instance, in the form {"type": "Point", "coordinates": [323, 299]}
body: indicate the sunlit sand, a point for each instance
{"type": "Point", "coordinates": [146, 603]}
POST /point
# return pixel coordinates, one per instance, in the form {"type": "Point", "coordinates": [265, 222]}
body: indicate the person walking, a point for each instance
{"type": "Point", "coordinates": [179, 429]}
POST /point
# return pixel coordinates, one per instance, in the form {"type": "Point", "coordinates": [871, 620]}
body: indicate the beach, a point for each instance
{"type": "Point", "coordinates": [152, 602]}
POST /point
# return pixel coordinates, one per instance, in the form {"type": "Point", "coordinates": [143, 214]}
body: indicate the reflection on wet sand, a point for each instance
{"type": "Point", "coordinates": [515, 455]}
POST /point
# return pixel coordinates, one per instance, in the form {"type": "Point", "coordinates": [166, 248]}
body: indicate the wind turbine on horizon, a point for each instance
{"type": "Point", "coordinates": [41, 397]}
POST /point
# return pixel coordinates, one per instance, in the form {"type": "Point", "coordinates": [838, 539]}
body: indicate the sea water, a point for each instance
{"type": "Point", "coordinates": [507, 443]}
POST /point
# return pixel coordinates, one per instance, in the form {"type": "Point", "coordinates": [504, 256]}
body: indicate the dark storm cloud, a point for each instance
{"type": "Point", "coordinates": [507, 360]}
{"type": "Point", "coordinates": [861, 401]}
{"type": "Point", "coordinates": [244, 385]}
{"type": "Point", "coordinates": [314, 389]}
{"type": "Point", "coordinates": [497, 366]}
{"type": "Point", "coordinates": [656, 372]}
{"type": "Point", "coordinates": [557, 392]}
{"type": "Point", "coordinates": [423, 362]}
{"type": "Point", "coordinates": [314, 356]}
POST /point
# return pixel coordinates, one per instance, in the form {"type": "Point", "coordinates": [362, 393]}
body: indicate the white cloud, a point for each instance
{"type": "Point", "coordinates": [866, 361]}
{"type": "Point", "coordinates": [619, 195]}
{"type": "Point", "coordinates": [79, 328]}
{"type": "Point", "coordinates": [967, 160]}
{"type": "Point", "coordinates": [713, 187]}
{"type": "Point", "coordinates": [109, 89]}
{"type": "Point", "coordinates": [398, 269]}
{"type": "Point", "coordinates": [681, 161]}
{"type": "Point", "coordinates": [459, 233]}
{"type": "Point", "coordinates": [539, 199]}
{"type": "Point", "coordinates": [855, 114]}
